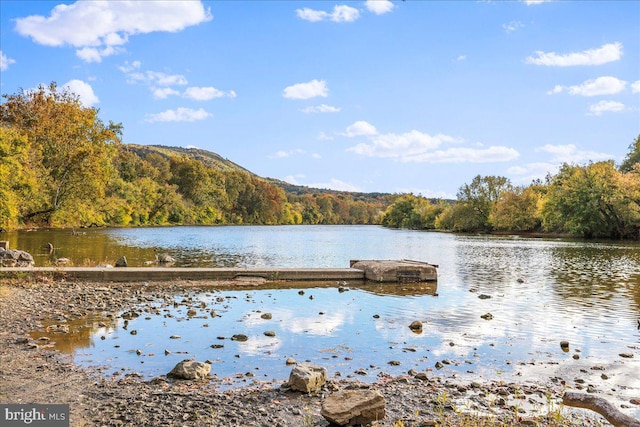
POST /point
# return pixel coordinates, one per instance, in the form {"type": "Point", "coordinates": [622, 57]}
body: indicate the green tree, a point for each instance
{"type": "Point", "coordinates": [517, 209]}
{"type": "Point", "coordinates": [70, 151]}
{"type": "Point", "coordinates": [16, 183]}
{"type": "Point", "coordinates": [633, 157]}
{"type": "Point", "coordinates": [595, 200]}
{"type": "Point", "coordinates": [478, 199]}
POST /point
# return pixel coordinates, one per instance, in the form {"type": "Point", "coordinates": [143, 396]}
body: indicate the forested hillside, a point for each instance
{"type": "Point", "coordinates": [63, 166]}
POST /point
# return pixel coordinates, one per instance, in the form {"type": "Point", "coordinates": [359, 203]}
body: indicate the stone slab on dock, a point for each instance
{"type": "Point", "coordinates": [402, 271]}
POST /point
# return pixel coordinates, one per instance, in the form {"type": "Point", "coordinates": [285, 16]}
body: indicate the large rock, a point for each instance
{"type": "Point", "coordinates": [166, 259]}
{"type": "Point", "coordinates": [307, 378]}
{"type": "Point", "coordinates": [353, 407]}
{"type": "Point", "coordinates": [15, 258]}
{"type": "Point", "coordinates": [190, 370]}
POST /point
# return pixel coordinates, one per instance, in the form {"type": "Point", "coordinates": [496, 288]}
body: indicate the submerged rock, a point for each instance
{"type": "Point", "coordinates": [416, 326]}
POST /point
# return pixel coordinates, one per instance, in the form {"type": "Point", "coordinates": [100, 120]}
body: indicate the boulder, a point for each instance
{"type": "Point", "coordinates": [166, 259]}
{"type": "Point", "coordinates": [122, 262]}
{"type": "Point", "coordinates": [353, 407]}
{"type": "Point", "coordinates": [190, 370]}
{"type": "Point", "coordinates": [15, 258]}
{"type": "Point", "coordinates": [307, 378]}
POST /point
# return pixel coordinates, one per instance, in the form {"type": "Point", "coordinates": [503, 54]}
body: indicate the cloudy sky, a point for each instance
{"type": "Point", "coordinates": [374, 96]}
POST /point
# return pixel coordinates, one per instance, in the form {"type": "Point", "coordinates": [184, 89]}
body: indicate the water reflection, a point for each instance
{"type": "Point", "coordinates": [538, 291]}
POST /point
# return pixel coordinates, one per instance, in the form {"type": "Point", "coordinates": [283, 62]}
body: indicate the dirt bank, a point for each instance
{"type": "Point", "coordinates": [31, 372]}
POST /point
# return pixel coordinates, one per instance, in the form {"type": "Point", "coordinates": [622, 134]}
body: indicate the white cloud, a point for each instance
{"type": "Point", "coordinates": [465, 155]}
{"type": "Point", "coordinates": [163, 92]}
{"type": "Point", "coordinates": [83, 90]}
{"type": "Point", "coordinates": [160, 84]}
{"type": "Point", "coordinates": [512, 26]}
{"type": "Point", "coordinates": [101, 28]}
{"type": "Point", "coordinates": [635, 86]}
{"type": "Point", "coordinates": [461, 58]}
{"type": "Point", "coordinates": [178, 115]}
{"type": "Point", "coordinates": [607, 53]}
{"type": "Point", "coordinates": [207, 93]}
{"type": "Point", "coordinates": [282, 154]}
{"type": "Point", "coordinates": [151, 78]}
{"type": "Point", "coordinates": [306, 90]}
{"type": "Point", "coordinates": [337, 185]}
{"type": "Point", "coordinates": [163, 79]}
{"type": "Point", "coordinates": [129, 68]}
{"type": "Point", "coordinates": [324, 137]}
{"type": "Point", "coordinates": [606, 106]}
{"type": "Point", "coordinates": [340, 13]}
{"type": "Point", "coordinates": [605, 85]}
{"type": "Point", "coordinates": [400, 146]}
{"type": "Point", "coordinates": [525, 174]}
{"type": "Point", "coordinates": [5, 61]}
{"type": "Point", "coordinates": [416, 146]}
{"type": "Point", "coordinates": [379, 7]}
{"type": "Point", "coordinates": [360, 128]}
{"type": "Point", "coordinates": [322, 108]}
{"type": "Point", "coordinates": [293, 179]}
{"type": "Point", "coordinates": [90, 54]}
{"type": "Point", "coordinates": [571, 154]}
{"type": "Point", "coordinates": [532, 2]}
{"type": "Point", "coordinates": [426, 193]}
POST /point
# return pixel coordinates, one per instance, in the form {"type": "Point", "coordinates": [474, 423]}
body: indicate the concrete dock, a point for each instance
{"type": "Point", "coordinates": [135, 274]}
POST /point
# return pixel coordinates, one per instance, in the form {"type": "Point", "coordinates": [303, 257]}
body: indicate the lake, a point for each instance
{"type": "Point", "coordinates": [538, 291]}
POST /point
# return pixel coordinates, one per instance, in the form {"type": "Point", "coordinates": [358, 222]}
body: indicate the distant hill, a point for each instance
{"type": "Point", "coordinates": [215, 160]}
{"type": "Point", "coordinates": [209, 158]}
{"type": "Point", "coordinates": [300, 190]}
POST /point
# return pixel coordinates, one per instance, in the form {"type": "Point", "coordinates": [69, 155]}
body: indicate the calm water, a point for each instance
{"type": "Point", "coordinates": [585, 293]}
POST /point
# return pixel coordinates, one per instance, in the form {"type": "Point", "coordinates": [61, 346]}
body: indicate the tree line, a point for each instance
{"type": "Point", "coordinates": [594, 200]}
{"type": "Point", "coordinates": [61, 165]}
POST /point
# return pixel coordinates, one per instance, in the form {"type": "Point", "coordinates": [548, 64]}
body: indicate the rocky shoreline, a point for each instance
{"type": "Point", "coordinates": [31, 372]}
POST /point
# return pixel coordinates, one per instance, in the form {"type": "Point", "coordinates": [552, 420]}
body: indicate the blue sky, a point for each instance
{"type": "Point", "coordinates": [373, 96]}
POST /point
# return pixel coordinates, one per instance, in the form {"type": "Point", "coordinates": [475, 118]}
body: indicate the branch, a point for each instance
{"type": "Point", "coordinates": [601, 406]}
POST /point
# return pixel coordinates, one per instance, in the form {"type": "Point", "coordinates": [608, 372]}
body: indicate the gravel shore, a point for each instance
{"type": "Point", "coordinates": [32, 372]}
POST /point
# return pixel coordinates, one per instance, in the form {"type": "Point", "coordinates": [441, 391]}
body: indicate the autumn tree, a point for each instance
{"type": "Point", "coordinates": [477, 200]}
{"type": "Point", "coordinates": [633, 157]}
{"type": "Point", "coordinates": [16, 183]}
{"type": "Point", "coordinates": [595, 200]}
{"type": "Point", "coordinates": [517, 209]}
{"type": "Point", "coordinates": [70, 151]}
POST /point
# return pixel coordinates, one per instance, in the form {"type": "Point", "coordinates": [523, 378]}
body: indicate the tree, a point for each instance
{"type": "Point", "coordinates": [70, 150]}
{"type": "Point", "coordinates": [479, 198]}
{"type": "Point", "coordinates": [16, 182]}
{"type": "Point", "coordinates": [517, 209]}
{"type": "Point", "coordinates": [595, 200]}
{"type": "Point", "coordinates": [633, 157]}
